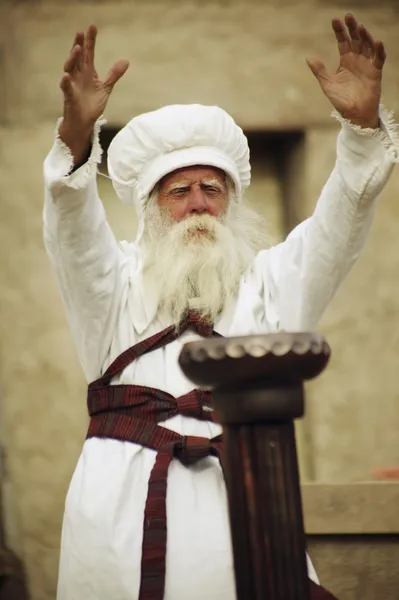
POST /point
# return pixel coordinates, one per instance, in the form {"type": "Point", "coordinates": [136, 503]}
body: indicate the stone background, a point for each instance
{"type": "Point", "coordinates": [249, 57]}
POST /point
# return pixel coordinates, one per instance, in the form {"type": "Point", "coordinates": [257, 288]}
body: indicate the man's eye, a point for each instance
{"type": "Point", "coordinates": [179, 191]}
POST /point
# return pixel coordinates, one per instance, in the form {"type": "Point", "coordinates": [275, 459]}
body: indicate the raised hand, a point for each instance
{"type": "Point", "coordinates": [85, 95]}
{"type": "Point", "coordinates": [355, 89]}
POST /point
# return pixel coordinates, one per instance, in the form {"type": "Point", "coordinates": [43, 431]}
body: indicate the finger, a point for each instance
{"type": "Point", "coordinates": [344, 43]}
{"type": "Point", "coordinates": [352, 25]}
{"type": "Point", "coordinates": [320, 72]}
{"type": "Point", "coordinates": [380, 55]}
{"type": "Point", "coordinates": [89, 45]}
{"type": "Point", "coordinates": [115, 73]}
{"type": "Point", "coordinates": [66, 86]}
{"type": "Point", "coordinates": [318, 69]}
{"type": "Point", "coordinates": [79, 39]}
{"type": "Point", "coordinates": [368, 43]}
{"type": "Point", "coordinates": [72, 62]}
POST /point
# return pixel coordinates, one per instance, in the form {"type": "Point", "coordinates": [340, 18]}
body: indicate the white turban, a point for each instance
{"type": "Point", "coordinates": [154, 144]}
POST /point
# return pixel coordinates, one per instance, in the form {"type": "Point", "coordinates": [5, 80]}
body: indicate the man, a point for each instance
{"type": "Point", "coordinates": [195, 263]}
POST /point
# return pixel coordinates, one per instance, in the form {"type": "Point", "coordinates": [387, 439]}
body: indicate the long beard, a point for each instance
{"type": "Point", "coordinates": [198, 263]}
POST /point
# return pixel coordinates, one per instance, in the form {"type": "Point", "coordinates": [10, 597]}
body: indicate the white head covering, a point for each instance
{"type": "Point", "coordinates": [154, 144]}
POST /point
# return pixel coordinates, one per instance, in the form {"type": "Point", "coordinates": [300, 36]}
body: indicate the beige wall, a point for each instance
{"type": "Point", "coordinates": [354, 406]}
{"type": "Point", "coordinates": [248, 58]}
{"type": "Point", "coordinates": [42, 387]}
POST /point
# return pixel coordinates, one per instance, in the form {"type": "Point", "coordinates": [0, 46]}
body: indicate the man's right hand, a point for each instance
{"type": "Point", "coordinates": [85, 95]}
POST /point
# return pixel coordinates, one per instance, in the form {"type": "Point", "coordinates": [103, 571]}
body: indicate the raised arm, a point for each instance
{"type": "Point", "coordinates": [86, 258]}
{"type": "Point", "coordinates": [305, 271]}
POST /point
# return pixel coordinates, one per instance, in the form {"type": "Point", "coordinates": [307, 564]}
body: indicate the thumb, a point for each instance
{"type": "Point", "coordinates": [318, 69]}
{"type": "Point", "coordinates": [66, 86]}
{"type": "Point", "coordinates": [115, 73]}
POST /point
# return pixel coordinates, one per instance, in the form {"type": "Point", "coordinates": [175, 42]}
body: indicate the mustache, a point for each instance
{"type": "Point", "coordinates": [201, 229]}
{"type": "Point", "coordinates": [195, 227]}
{"type": "Point", "coordinates": [198, 221]}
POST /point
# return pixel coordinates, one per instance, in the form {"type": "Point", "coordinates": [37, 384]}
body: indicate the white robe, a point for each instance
{"type": "Point", "coordinates": [287, 288]}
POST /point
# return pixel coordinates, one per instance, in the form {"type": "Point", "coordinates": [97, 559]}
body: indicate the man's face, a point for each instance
{"type": "Point", "coordinates": [198, 241]}
{"type": "Point", "coordinates": [193, 191]}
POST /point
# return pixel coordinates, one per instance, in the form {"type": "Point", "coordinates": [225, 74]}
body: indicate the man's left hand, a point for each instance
{"type": "Point", "coordinates": [355, 89]}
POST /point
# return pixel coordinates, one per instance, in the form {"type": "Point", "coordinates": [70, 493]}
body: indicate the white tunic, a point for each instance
{"type": "Point", "coordinates": [288, 288]}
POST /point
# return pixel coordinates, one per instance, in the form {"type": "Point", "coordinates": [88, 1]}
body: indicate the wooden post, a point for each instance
{"type": "Point", "coordinates": [257, 385]}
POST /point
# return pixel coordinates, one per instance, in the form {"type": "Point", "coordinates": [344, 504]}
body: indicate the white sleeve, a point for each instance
{"type": "Point", "coordinates": [303, 273]}
{"type": "Point", "coordinates": [88, 262]}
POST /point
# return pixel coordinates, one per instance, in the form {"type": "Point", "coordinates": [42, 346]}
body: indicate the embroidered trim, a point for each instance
{"type": "Point", "coordinates": [387, 134]}
{"type": "Point", "coordinates": [78, 179]}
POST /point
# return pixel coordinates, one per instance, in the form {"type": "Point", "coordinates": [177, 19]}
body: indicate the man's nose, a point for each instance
{"type": "Point", "coordinates": [197, 200]}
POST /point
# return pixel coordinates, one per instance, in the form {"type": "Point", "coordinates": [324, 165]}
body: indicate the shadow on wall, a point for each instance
{"type": "Point", "coordinates": [13, 584]}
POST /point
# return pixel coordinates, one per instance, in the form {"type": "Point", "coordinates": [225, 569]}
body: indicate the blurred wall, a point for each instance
{"type": "Point", "coordinates": [249, 57]}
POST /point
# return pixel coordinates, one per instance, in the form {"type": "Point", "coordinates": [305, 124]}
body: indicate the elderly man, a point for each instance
{"type": "Point", "coordinates": [196, 268]}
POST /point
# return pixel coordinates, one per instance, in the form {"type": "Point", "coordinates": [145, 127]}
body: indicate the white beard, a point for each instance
{"type": "Point", "coordinates": [198, 263]}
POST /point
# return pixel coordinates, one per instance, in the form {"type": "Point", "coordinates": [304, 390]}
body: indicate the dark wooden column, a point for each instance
{"type": "Point", "coordinates": [257, 385]}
